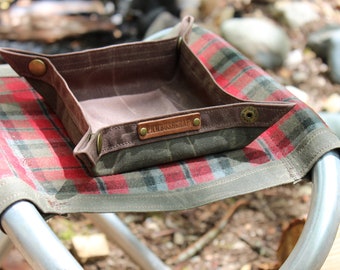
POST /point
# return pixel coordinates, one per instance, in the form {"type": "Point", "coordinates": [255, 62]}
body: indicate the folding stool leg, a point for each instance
{"type": "Point", "coordinates": [32, 236]}
{"type": "Point", "coordinates": [119, 234]}
{"type": "Point", "coordinates": [323, 219]}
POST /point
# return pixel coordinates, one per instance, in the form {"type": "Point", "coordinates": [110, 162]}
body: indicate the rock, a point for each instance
{"type": "Point", "coordinates": [303, 96]}
{"type": "Point", "coordinates": [146, 20]}
{"type": "Point", "coordinates": [295, 14]}
{"type": "Point", "coordinates": [179, 238]}
{"type": "Point", "coordinates": [152, 224]}
{"type": "Point", "coordinates": [164, 20]}
{"type": "Point", "coordinates": [299, 76]}
{"type": "Point", "coordinates": [332, 104]}
{"type": "Point", "coordinates": [247, 266]}
{"type": "Point", "coordinates": [214, 12]}
{"type": "Point", "coordinates": [90, 247]}
{"type": "Point", "coordinates": [334, 57]}
{"type": "Point", "coordinates": [294, 58]}
{"type": "Point", "coordinates": [319, 41]}
{"type": "Point", "coordinates": [189, 7]}
{"type": "Point", "coordinates": [143, 13]}
{"type": "Point", "coordinates": [326, 44]}
{"type": "Point", "coordinates": [209, 8]}
{"type": "Point", "coordinates": [260, 39]}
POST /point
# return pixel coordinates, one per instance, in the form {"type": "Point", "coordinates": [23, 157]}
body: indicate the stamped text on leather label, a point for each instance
{"type": "Point", "coordinates": [169, 126]}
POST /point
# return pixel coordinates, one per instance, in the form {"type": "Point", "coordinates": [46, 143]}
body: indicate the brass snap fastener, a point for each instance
{"type": "Point", "coordinates": [37, 67]}
{"type": "Point", "coordinates": [249, 114]}
{"type": "Point", "coordinates": [143, 131]}
{"type": "Point", "coordinates": [99, 143]}
{"type": "Point", "coordinates": [196, 122]}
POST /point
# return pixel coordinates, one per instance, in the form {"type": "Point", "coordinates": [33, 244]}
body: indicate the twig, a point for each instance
{"type": "Point", "coordinates": [207, 237]}
{"type": "Point", "coordinates": [261, 250]}
{"type": "Point", "coordinates": [263, 206]}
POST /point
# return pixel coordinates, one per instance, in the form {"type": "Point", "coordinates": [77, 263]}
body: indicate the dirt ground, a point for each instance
{"type": "Point", "coordinates": [252, 235]}
{"type": "Point", "coordinates": [248, 241]}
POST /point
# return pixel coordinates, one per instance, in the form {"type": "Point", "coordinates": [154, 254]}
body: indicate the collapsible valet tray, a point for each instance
{"type": "Point", "coordinates": [141, 104]}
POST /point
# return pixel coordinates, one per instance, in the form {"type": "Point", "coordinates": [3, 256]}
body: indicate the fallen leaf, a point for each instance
{"type": "Point", "coordinates": [290, 236]}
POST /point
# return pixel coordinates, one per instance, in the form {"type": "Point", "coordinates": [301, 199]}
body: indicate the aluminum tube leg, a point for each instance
{"type": "Point", "coordinates": [323, 220]}
{"type": "Point", "coordinates": [32, 236]}
{"type": "Point", "coordinates": [120, 234]}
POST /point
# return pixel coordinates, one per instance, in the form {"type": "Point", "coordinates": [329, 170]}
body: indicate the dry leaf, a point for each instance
{"type": "Point", "coordinates": [289, 237]}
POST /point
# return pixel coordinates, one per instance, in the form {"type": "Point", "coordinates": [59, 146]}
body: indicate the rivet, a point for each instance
{"type": "Point", "coordinates": [99, 143]}
{"type": "Point", "coordinates": [143, 131]}
{"type": "Point", "coordinates": [196, 122]}
{"type": "Point", "coordinates": [249, 114]}
{"type": "Point", "coordinates": [37, 67]}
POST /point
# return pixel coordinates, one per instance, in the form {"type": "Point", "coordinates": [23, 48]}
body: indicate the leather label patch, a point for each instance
{"type": "Point", "coordinates": [169, 126]}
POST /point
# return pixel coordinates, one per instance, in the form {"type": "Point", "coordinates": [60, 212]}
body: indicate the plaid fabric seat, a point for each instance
{"type": "Point", "coordinates": [38, 164]}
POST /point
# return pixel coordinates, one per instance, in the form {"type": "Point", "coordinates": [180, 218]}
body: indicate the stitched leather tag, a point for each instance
{"type": "Point", "coordinates": [169, 126]}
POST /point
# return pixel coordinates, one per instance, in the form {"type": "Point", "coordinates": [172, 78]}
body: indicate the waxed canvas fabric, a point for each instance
{"type": "Point", "coordinates": [38, 164]}
{"type": "Point", "coordinates": [141, 104]}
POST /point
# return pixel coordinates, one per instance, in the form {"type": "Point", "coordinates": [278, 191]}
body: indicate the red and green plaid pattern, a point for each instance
{"type": "Point", "coordinates": [36, 151]}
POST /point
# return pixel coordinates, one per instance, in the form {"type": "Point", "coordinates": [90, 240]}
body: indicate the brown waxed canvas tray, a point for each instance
{"type": "Point", "coordinates": [136, 105]}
